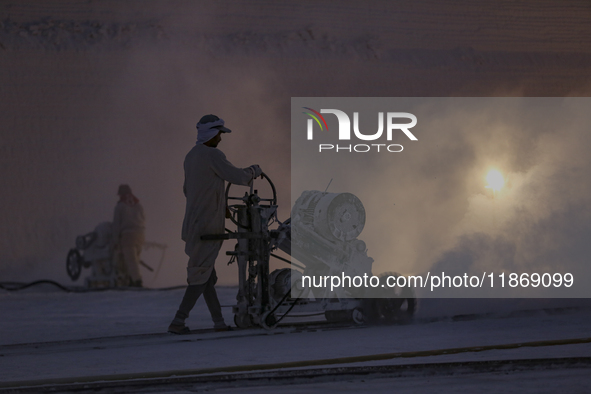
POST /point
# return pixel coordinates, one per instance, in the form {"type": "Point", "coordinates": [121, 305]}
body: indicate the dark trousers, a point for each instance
{"type": "Point", "coordinates": [211, 299]}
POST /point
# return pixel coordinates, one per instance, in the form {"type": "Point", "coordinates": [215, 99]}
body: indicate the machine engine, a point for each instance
{"type": "Point", "coordinates": [324, 231]}
{"type": "Point", "coordinates": [322, 236]}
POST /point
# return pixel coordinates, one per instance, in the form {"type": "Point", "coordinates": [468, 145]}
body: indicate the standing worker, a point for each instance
{"type": "Point", "coordinates": [128, 236]}
{"type": "Point", "coordinates": [206, 169]}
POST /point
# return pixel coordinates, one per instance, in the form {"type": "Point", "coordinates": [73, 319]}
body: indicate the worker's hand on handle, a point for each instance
{"type": "Point", "coordinates": [256, 170]}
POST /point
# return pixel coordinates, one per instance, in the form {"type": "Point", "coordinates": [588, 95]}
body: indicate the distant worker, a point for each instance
{"type": "Point", "coordinates": [206, 169]}
{"type": "Point", "coordinates": [128, 236]}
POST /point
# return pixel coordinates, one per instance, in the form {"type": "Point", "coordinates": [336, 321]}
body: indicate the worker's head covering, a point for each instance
{"type": "Point", "coordinates": [126, 196]}
{"type": "Point", "coordinates": [124, 189]}
{"type": "Point", "coordinates": [208, 127]}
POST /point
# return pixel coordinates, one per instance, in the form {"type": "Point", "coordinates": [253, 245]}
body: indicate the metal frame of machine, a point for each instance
{"type": "Point", "coordinates": [264, 298]}
{"type": "Point", "coordinates": [95, 250]}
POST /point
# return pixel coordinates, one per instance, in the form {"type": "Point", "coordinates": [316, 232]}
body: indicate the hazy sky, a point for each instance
{"type": "Point", "coordinates": [98, 94]}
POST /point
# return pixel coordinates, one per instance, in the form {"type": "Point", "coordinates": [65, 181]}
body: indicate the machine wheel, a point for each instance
{"type": "Point", "coordinates": [357, 316]}
{"type": "Point", "coordinates": [336, 316]}
{"type": "Point", "coordinates": [268, 321]}
{"type": "Point", "coordinates": [233, 208]}
{"type": "Point", "coordinates": [395, 305]}
{"type": "Point", "coordinates": [395, 310]}
{"type": "Point", "coordinates": [74, 263]}
{"type": "Point", "coordinates": [242, 321]}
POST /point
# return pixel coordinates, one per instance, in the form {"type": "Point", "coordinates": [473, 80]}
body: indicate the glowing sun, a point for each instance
{"type": "Point", "coordinates": [495, 180]}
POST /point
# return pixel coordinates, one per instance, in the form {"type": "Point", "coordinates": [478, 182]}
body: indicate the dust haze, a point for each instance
{"type": "Point", "coordinates": [98, 94]}
{"type": "Point", "coordinates": [428, 207]}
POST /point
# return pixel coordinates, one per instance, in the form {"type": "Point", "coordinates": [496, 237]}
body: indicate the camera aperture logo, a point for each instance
{"type": "Point", "coordinates": [392, 125]}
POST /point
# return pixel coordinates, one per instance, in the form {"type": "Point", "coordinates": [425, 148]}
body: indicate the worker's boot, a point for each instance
{"type": "Point", "coordinates": [179, 329]}
{"type": "Point", "coordinates": [221, 326]}
{"type": "Point", "coordinates": [177, 326]}
{"type": "Point", "coordinates": [136, 283]}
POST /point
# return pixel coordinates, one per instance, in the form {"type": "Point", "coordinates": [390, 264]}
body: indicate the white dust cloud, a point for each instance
{"type": "Point", "coordinates": [101, 94]}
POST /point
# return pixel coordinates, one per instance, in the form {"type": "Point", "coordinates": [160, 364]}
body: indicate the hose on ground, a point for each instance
{"type": "Point", "coordinates": [16, 286]}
